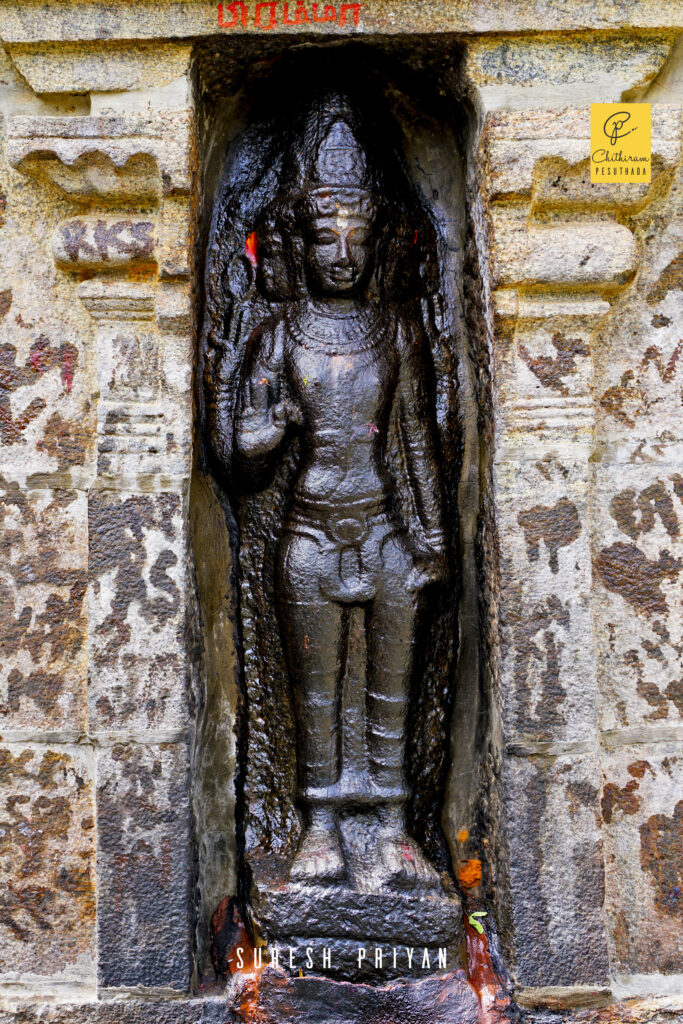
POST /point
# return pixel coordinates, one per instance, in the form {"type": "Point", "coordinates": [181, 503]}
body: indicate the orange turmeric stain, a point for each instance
{"type": "Point", "coordinates": [463, 835]}
{"type": "Point", "coordinates": [250, 993]}
{"type": "Point", "coordinates": [251, 249]}
{"type": "Point", "coordinates": [469, 874]}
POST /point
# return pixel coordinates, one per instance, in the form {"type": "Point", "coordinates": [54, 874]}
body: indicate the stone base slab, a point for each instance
{"type": "Point", "coordinates": [273, 997]}
{"type": "Point", "coordinates": [122, 1011]}
{"type": "Point", "coordinates": [344, 921]}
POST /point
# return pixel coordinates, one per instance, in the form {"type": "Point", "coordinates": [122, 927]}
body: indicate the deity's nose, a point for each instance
{"type": "Point", "coordinates": [342, 250]}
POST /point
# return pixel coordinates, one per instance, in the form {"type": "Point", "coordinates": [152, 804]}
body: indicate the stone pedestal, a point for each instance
{"type": "Point", "coordinates": [367, 936]}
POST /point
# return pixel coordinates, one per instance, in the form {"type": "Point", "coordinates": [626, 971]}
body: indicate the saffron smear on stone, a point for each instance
{"type": "Point", "coordinates": [469, 873]}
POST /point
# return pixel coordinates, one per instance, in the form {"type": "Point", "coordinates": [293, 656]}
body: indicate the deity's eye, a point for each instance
{"type": "Point", "coordinates": [324, 236]}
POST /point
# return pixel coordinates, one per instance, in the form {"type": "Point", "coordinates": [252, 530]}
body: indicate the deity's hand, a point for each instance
{"type": "Point", "coordinates": [285, 413]}
{"type": "Point", "coordinates": [261, 427]}
{"type": "Point", "coordinates": [428, 567]}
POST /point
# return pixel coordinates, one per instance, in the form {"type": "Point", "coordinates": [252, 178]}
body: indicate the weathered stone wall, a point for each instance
{"type": "Point", "coordinates": [96, 427]}
{"type": "Point", "coordinates": [577, 352]}
{"type": "Point", "coordinates": [585, 351]}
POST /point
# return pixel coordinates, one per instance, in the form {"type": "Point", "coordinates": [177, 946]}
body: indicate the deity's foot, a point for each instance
{"type": "Point", "coordinates": [402, 864]}
{"type": "Point", "coordinates": [319, 859]}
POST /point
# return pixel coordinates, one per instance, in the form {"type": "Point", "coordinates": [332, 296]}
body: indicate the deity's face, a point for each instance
{"type": "Point", "coordinates": [338, 253]}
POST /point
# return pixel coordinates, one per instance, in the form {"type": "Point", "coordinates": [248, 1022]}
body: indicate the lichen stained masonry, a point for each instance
{"type": "Point", "coordinates": [266, 15]}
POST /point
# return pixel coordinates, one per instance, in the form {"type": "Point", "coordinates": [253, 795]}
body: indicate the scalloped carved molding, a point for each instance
{"type": "Point", "coordinates": [108, 159]}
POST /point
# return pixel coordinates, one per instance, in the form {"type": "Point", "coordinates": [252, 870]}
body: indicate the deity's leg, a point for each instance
{"type": "Point", "coordinates": [390, 622]}
{"type": "Point", "coordinates": [390, 625]}
{"type": "Point", "coordinates": [313, 630]}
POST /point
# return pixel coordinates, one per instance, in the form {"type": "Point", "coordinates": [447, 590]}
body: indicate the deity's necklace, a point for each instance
{"type": "Point", "coordinates": [365, 324]}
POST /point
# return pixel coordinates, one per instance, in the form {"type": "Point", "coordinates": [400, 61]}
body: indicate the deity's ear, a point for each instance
{"type": "Point", "coordinates": [296, 259]}
{"type": "Point", "coordinates": [394, 259]}
{"type": "Point", "coordinates": [292, 251]}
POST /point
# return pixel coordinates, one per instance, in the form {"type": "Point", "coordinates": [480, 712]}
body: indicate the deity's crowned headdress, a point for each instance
{"type": "Point", "coordinates": [339, 175]}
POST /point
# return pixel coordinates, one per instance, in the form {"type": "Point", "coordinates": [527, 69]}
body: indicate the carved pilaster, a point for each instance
{"type": "Point", "coordinates": [143, 442]}
{"type": "Point", "coordinates": [565, 266]}
{"type": "Point", "coordinates": [136, 442]}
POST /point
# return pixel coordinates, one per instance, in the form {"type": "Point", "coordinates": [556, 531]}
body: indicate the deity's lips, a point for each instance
{"type": "Point", "coordinates": [343, 275]}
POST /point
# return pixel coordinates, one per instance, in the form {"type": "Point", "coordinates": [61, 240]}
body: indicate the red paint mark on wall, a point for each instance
{"type": "Point", "coordinates": [238, 11]}
{"type": "Point", "coordinates": [251, 249]}
{"type": "Point", "coordinates": [268, 15]}
{"type": "Point", "coordinates": [67, 375]}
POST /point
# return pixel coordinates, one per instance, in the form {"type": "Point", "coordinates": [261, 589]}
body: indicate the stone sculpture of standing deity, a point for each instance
{"type": "Point", "coordinates": [350, 373]}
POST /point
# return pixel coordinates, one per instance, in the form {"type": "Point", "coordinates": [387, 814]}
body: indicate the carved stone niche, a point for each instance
{"type": "Point", "coordinates": [336, 405]}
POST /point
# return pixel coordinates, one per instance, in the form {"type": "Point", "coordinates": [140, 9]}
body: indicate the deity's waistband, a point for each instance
{"type": "Point", "coordinates": [346, 525]}
{"type": "Point", "coordinates": [366, 508]}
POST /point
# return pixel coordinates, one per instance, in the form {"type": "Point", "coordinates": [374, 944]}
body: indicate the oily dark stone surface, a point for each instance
{"type": "Point", "coordinates": [144, 866]}
{"type": "Point", "coordinates": [448, 999]}
{"type": "Point", "coordinates": [180, 1011]}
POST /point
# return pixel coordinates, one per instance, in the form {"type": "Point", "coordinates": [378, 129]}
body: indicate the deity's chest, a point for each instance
{"type": "Point", "coordinates": [345, 390]}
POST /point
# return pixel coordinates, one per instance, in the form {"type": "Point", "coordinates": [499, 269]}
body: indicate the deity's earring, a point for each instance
{"type": "Point", "coordinates": [239, 276]}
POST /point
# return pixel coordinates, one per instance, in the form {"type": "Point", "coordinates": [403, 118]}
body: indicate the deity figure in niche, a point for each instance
{"type": "Point", "coordinates": [345, 365]}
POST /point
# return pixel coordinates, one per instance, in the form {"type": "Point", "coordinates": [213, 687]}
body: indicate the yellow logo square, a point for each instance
{"type": "Point", "coordinates": [620, 142]}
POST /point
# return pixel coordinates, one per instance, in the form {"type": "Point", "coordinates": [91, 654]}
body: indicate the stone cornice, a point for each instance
{"type": "Point", "coordinates": [26, 21]}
